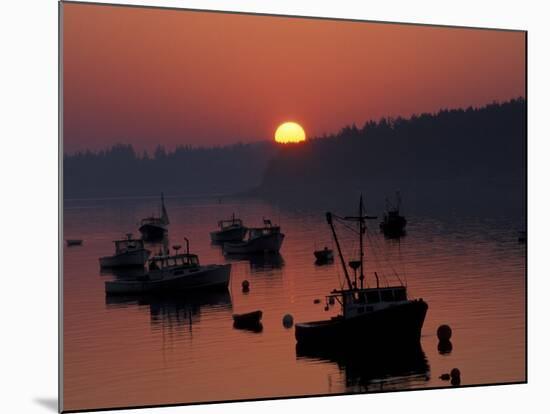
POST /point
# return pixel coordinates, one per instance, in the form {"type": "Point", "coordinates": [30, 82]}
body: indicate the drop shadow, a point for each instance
{"type": "Point", "coordinates": [49, 403]}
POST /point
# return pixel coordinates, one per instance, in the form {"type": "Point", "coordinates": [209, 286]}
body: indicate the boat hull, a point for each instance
{"type": "Point", "coordinates": [394, 227]}
{"type": "Point", "coordinates": [230, 235]}
{"type": "Point", "coordinates": [249, 320]}
{"type": "Point", "coordinates": [395, 324]}
{"type": "Point", "coordinates": [264, 244]}
{"type": "Point", "coordinates": [323, 256]}
{"type": "Point", "coordinates": [127, 259]}
{"type": "Point", "coordinates": [209, 277]}
{"type": "Point", "coordinates": [152, 232]}
{"type": "Point", "coordinates": [74, 242]}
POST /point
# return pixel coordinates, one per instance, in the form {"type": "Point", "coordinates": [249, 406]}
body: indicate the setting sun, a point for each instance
{"type": "Point", "coordinates": [290, 132]}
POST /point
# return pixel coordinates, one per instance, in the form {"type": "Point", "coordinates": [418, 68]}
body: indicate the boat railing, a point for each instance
{"type": "Point", "coordinates": [167, 262]}
{"type": "Point", "coordinates": [371, 295]}
{"type": "Point", "coordinates": [128, 244]}
{"type": "Point", "coordinates": [225, 224]}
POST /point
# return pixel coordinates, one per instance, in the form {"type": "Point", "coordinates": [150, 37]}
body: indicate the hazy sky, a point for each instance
{"type": "Point", "coordinates": [149, 76]}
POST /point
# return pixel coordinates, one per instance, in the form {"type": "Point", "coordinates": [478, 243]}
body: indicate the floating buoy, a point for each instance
{"type": "Point", "coordinates": [288, 321]}
{"type": "Point", "coordinates": [316, 301]}
{"type": "Point", "coordinates": [445, 377]}
{"type": "Point", "coordinates": [444, 332]}
{"type": "Point", "coordinates": [445, 347]}
{"type": "Point", "coordinates": [455, 377]}
{"type": "Point", "coordinates": [455, 373]}
{"type": "Point", "coordinates": [246, 286]}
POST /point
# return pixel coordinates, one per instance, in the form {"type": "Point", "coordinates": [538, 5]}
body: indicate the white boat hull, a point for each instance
{"type": "Point", "coordinates": [126, 259]}
{"type": "Point", "coordinates": [203, 278]}
{"type": "Point", "coordinates": [264, 244]}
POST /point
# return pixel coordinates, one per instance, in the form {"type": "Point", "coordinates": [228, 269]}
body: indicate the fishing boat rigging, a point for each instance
{"type": "Point", "coordinates": [380, 313]}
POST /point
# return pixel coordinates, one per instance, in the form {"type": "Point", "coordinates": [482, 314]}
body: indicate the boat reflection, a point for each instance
{"type": "Point", "coordinates": [259, 262]}
{"type": "Point", "coordinates": [374, 369]}
{"type": "Point", "coordinates": [175, 310]}
{"type": "Point", "coordinates": [395, 235]}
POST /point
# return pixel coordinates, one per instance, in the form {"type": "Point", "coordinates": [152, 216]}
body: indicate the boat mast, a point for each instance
{"type": "Point", "coordinates": [361, 219]}
{"type": "Point", "coordinates": [361, 253]}
{"type": "Point", "coordinates": [398, 197]}
{"type": "Point", "coordinates": [329, 221]}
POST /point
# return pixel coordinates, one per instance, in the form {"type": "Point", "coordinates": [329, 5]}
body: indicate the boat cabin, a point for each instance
{"type": "Point", "coordinates": [256, 232]}
{"type": "Point", "coordinates": [178, 260]}
{"type": "Point", "coordinates": [128, 245]}
{"type": "Point", "coordinates": [229, 224]}
{"type": "Point", "coordinates": [392, 214]}
{"type": "Point", "coordinates": [360, 301]}
{"type": "Point", "coordinates": [155, 221]}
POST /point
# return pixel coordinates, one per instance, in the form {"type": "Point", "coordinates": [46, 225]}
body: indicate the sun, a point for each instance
{"type": "Point", "coordinates": [290, 132]}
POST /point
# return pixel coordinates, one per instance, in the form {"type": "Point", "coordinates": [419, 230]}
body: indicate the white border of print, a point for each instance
{"type": "Point", "coordinates": [28, 162]}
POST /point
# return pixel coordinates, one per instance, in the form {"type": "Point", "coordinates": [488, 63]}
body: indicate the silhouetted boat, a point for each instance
{"type": "Point", "coordinates": [230, 230]}
{"type": "Point", "coordinates": [154, 228]}
{"type": "Point", "coordinates": [128, 252]}
{"type": "Point", "coordinates": [368, 314]}
{"type": "Point", "coordinates": [169, 273]}
{"type": "Point", "coordinates": [73, 242]}
{"type": "Point", "coordinates": [267, 239]}
{"type": "Point", "coordinates": [325, 255]}
{"type": "Point", "coordinates": [250, 319]}
{"type": "Point", "coordinates": [393, 223]}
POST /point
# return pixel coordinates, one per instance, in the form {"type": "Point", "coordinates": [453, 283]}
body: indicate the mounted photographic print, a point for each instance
{"type": "Point", "coordinates": [260, 206]}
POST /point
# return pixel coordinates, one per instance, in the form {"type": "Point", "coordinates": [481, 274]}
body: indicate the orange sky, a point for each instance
{"type": "Point", "coordinates": [146, 76]}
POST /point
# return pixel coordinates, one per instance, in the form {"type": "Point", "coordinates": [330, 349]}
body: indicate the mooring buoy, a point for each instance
{"type": "Point", "coordinates": [444, 333]}
{"type": "Point", "coordinates": [246, 286]}
{"type": "Point", "coordinates": [288, 321]}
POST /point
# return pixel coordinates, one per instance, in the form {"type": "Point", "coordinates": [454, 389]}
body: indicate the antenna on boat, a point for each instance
{"type": "Point", "coordinates": [186, 244]}
{"type": "Point", "coordinates": [361, 219]}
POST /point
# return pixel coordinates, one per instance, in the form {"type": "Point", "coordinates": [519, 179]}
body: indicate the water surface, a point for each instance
{"type": "Point", "coordinates": [123, 351]}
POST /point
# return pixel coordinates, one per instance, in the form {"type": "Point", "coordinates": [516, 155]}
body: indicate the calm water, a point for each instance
{"type": "Point", "coordinates": [142, 350]}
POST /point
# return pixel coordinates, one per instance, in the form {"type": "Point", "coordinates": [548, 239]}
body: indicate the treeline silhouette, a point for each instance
{"type": "Point", "coordinates": [470, 159]}
{"type": "Point", "coordinates": [462, 159]}
{"type": "Point", "coordinates": [120, 171]}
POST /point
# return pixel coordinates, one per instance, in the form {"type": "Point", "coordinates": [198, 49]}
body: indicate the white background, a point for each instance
{"type": "Point", "coordinates": [28, 226]}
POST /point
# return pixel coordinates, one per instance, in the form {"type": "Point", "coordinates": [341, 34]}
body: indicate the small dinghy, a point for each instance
{"type": "Point", "coordinates": [323, 256]}
{"type": "Point", "coordinates": [74, 242]}
{"type": "Point", "coordinates": [250, 320]}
